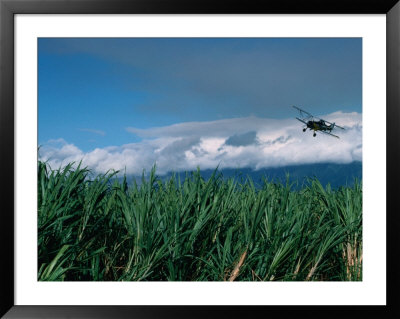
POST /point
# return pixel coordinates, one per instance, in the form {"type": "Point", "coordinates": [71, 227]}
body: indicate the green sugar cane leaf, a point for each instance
{"type": "Point", "coordinates": [53, 263]}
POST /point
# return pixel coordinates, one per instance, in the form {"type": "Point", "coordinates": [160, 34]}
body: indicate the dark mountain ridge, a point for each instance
{"type": "Point", "coordinates": [327, 173]}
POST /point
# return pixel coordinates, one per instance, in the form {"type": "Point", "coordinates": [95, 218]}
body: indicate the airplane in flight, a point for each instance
{"type": "Point", "coordinates": [316, 124]}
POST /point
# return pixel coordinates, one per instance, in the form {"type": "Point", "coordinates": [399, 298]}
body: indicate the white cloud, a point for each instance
{"type": "Point", "coordinates": [241, 142]}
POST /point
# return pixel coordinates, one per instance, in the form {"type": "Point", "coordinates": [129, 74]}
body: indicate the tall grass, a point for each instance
{"type": "Point", "coordinates": [99, 228]}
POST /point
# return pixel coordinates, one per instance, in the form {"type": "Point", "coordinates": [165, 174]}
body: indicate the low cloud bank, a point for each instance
{"type": "Point", "coordinates": [230, 143]}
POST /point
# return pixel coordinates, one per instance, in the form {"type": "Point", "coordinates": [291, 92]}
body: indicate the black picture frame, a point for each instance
{"type": "Point", "coordinates": [8, 8]}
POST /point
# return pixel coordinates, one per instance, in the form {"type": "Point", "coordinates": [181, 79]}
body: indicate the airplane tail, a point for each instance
{"type": "Point", "coordinates": [334, 125]}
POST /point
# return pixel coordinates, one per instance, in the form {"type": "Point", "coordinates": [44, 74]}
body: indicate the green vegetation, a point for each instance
{"type": "Point", "coordinates": [97, 228]}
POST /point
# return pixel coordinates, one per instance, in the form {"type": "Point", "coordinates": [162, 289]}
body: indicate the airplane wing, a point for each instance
{"type": "Point", "coordinates": [302, 112]}
{"type": "Point", "coordinates": [301, 120]}
{"type": "Point", "coordinates": [325, 132]}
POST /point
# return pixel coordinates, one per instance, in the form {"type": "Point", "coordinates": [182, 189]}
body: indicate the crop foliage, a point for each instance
{"type": "Point", "coordinates": [97, 228]}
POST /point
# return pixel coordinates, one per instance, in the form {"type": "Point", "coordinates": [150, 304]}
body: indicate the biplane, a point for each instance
{"type": "Point", "coordinates": [316, 124]}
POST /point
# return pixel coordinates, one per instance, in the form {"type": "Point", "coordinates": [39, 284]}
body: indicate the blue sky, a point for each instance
{"type": "Point", "coordinates": [96, 94]}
